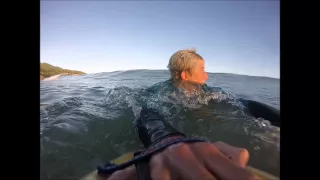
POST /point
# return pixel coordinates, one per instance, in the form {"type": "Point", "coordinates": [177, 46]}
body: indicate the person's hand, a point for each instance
{"type": "Point", "coordinates": [195, 161]}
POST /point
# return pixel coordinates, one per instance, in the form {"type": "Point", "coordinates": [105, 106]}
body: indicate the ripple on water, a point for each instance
{"type": "Point", "coordinates": [89, 119]}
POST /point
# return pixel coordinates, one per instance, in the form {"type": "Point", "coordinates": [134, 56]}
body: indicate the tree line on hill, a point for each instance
{"type": "Point", "coordinates": [47, 70]}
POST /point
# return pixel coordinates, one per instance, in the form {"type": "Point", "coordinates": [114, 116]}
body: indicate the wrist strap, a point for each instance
{"type": "Point", "coordinates": [145, 155]}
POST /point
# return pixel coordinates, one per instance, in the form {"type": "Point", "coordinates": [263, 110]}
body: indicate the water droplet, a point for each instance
{"type": "Point", "coordinates": [256, 148]}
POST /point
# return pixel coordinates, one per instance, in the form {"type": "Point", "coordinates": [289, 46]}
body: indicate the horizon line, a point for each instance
{"type": "Point", "coordinates": [168, 70]}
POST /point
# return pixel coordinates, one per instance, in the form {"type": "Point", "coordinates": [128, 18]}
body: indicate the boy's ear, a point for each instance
{"type": "Point", "coordinates": [184, 75]}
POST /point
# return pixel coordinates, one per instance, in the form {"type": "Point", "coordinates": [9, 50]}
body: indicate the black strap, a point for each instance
{"type": "Point", "coordinates": [143, 171]}
{"type": "Point", "coordinates": [109, 168]}
{"type": "Point", "coordinates": [142, 168]}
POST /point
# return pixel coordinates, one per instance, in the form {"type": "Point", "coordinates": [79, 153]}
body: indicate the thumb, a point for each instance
{"type": "Point", "coordinates": [128, 173]}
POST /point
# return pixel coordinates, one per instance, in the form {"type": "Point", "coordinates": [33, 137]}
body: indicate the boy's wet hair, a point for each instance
{"type": "Point", "coordinates": [183, 60]}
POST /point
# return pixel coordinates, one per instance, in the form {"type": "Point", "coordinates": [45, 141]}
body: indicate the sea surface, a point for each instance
{"type": "Point", "coordinates": [88, 120]}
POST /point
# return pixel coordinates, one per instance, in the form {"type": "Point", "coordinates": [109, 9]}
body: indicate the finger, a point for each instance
{"type": "Point", "coordinates": [158, 168]}
{"type": "Point", "coordinates": [239, 155]}
{"type": "Point", "coordinates": [183, 163]}
{"type": "Point", "coordinates": [219, 165]}
{"type": "Point", "coordinates": [128, 173]}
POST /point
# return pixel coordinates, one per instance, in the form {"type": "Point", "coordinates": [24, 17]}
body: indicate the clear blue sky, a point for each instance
{"type": "Point", "coordinates": [239, 37]}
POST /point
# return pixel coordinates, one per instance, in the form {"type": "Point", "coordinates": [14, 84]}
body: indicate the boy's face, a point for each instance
{"type": "Point", "coordinates": [198, 74]}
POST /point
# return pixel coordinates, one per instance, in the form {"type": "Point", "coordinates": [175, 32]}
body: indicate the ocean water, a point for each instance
{"type": "Point", "coordinates": [88, 120]}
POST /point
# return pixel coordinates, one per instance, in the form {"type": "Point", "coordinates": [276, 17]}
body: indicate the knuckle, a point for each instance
{"type": "Point", "coordinates": [177, 147]}
{"type": "Point", "coordinates": [157, 160]}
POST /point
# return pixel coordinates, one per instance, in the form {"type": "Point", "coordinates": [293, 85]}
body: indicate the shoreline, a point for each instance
{"type": "Point", "coordinates": [54, 77]}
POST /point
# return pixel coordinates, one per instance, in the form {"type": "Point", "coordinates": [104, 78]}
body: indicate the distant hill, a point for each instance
{"type": "Point", "coordinates": [47, 70]}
